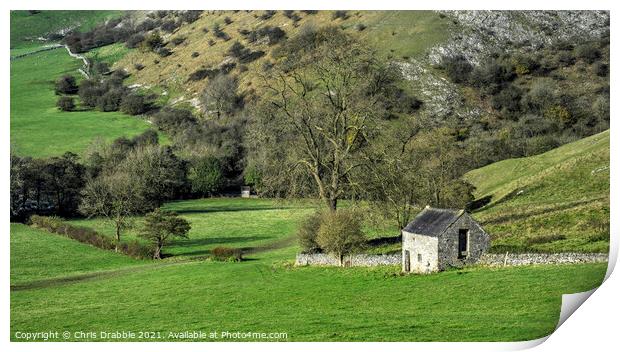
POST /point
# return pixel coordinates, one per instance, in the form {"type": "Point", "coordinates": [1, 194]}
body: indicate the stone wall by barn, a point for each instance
{"type": "Point", "coordinates": [486, 259]}
{"type": "Point", "coordinates": [349, 260]}
{"type": "Point", "coordinates": [477, 244]}
{"type": "Point", "coordinates": [517, 259]}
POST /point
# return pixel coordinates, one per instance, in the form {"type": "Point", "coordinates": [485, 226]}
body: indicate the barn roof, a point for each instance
{"type": "Point", "coordinates": [433, 221]}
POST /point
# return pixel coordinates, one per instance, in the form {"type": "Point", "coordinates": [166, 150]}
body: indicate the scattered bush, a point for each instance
{"type": "Point", "coordinates": [601, 69]}
{"type": "Point", "coordinates": [190, 16]}
{"type": "Point", "coordinates": [267, 14]}
{"type": "Point", "coordinates": [133, 104]}
{"type": "Point", "coordinates": [66, 85]}
{"type": "Point", "coordinates": [203, 73]}
{"type": "Point", "coordinates": [227, 254]}
{"type": "Point", "coordinates": [272, 35]}
{"type": "Point", "coordinates": [152, 42]}
{"type": "Point", "coordinates": [457, 68]}
{"type": "Point", "coordinates": [342, 14]}
{"type": "Point", "coordinates": [134, 41]}
{"type": "Point", "coordinates": [176, 41]}
{"type": "Point", "coordinates": [588, 52]}
{"type": "Point", "coordinates": [163, 52]}
{"type": "Point", "coordinates": [307, 233]}
{"type": "Point", "coordinates": [65, 103]}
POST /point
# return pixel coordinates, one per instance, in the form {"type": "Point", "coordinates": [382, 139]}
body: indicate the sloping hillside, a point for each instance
{"type": "Point", "coordinates": [555, 201]}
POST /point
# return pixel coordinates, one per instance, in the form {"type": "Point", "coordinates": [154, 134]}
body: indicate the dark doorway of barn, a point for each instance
{"type": "Point", "coordinates": [407, 261]}
{"type": "Point", "coordinates": [463, 237]}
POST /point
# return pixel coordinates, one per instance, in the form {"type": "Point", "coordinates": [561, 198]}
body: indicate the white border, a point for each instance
{"type": "Point", "coordinates": [593, 325]}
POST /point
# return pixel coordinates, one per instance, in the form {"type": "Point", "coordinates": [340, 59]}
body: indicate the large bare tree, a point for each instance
{"type": "Point", "coordinates": [326, 103]}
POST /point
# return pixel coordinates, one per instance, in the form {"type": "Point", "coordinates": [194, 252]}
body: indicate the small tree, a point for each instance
{"type": "Point", "coordinates": [66, 85]}
{"type": "Point", "coordinates": [65, 103]}
{"type": "Point", "coordinates": [160, 226]}
{"type": "Point", "coordinates": [113, 196]}
{"type": "Point", "coordinates": [220, 95]}
{"type": "Point", "coordinates": [340, 233]}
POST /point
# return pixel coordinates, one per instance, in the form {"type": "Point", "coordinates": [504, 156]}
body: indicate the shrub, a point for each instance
{"type": "Point", "coordinates": [342, 14]}
{"type": "Point", "coordinates": [195, 54]}
{"type": "Point", "coordinates": [340, 233]}
{"type": "Point", "coordinates": [134, 41]}
{"type": "Point", "coordinates": [206, 176]}
{"type": "Point", "coordinates": [177, 40]}
{"type": "Point", "coordinates": [227, 254]}
{"type": "Point", "coordinates": [588, 52]}
{"type": "Point", "coordinates": [601, 69]}
{"type": "Point", "coordinates": [111, 100]}
{"type": "Point", "coordinates": [133, 104]}
{"type": "Point", "coordinates": [457, 68]}
{"type": "Point", "coordinates": [228, 20]}
{"type": "Point", "coordinates": [360, 27]}
{"type": "Point", "coordinates": [89, 236]}
{"type": "Point", "coordinates": [203, 73]}
{"type": "Point", "coordinates": [190, 16]}
{"type": "Point", "coordinates": [138, 67]}
{"type": "Point", "coordinates": [66, 85]}
{"type": "Point", "coordinates": [267, 14]}
{"type": "Point", "coordinates": [152, 42]}
{"type": "Point", "coordinates": [65, 103]}
{"type": "Point", "coordinates": [272, 35]}
{"type": "Point", "coordinates": [163, 52]}
{"type": "Point", "coordinates": [307, 233]}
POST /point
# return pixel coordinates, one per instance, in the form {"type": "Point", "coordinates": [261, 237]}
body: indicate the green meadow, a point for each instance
{"type": "Point", "coordinates": [38, 128]}
{"type": "Point", "coordinates": [62, 285]}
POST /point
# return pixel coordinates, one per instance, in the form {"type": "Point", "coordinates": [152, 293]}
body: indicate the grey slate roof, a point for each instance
{"type": "Point", "coordinates": [433, 221]}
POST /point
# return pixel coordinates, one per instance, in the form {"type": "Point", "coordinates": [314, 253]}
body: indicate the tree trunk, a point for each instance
{"type": "Point", "coordinates": [118, 236]}
{"type": "Point", "coordinates": [157, 254]}
{"type": "Point", "coordinates": [332, 203]}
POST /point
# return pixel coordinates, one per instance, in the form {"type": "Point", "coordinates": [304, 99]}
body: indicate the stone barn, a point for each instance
{"type": "Point", "coordinates": [439, 238]}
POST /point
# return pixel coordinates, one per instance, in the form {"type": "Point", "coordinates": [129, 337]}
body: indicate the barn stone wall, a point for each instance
{"type": "Point", "coordinates": [349, 260]}
{"type": "Point", "coordinates": [514, 259]}
{"type": "Point", "coordinates": [422, 253]}
{"type": "Point", "coordinates": [478, 243]}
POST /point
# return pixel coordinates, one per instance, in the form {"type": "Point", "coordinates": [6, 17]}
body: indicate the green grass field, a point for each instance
{"type": "Point", "coordinates": [61, 285]}
{"type": "Point", "coordinates": [38, 128]}
{"type": "Point", "coordinates": [564, 191]}
{"type": "Point", "coordinates": [25, 27]}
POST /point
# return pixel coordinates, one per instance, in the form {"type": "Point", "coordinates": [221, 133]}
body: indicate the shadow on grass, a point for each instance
{"type": "Point", "coordinates": [199, 242]}
{"type": "Point", "coordinates": [535, 212]}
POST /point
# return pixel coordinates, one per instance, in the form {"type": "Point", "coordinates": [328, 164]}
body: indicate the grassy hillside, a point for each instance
{"type": "Point", "coordinates": [26, 27]}
{"type": "Point", "coordinates": [555, 201]}
{"type": "Point", "coordinates": [266, 294]}
{"type": "Point", "coordinates": [396, 34]}
{"type": "Point", "coordinates": [38, 128]}
{"type": "Point", "coordinates": [37, 254]}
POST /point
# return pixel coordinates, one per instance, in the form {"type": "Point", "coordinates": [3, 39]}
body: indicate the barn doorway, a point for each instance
{"type": "Point", "coordinates": [407, 261]}
{"type": "Point", "coordinates": [463, 243]}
